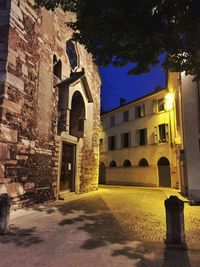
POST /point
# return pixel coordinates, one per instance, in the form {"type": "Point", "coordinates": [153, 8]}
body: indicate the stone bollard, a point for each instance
{"type": "Point", "coordinates": [4, 213]}
{"type": "Point", "coordinates": [175, 235]}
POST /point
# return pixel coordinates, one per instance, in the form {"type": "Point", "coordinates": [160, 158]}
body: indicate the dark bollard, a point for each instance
{"type": "Point", "coordinates": [175, 236]}
{"type": "Point", "coordinates": [4, 213]}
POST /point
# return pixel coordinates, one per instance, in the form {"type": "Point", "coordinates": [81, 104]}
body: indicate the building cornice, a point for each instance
{"type": "Point", "coordinates": [135, 101]}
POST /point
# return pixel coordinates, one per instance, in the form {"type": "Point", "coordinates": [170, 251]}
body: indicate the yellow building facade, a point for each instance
{"type": "Point", "coordinates": [136, 145]}
{"type": "Point", "coordinates": [155, 140]}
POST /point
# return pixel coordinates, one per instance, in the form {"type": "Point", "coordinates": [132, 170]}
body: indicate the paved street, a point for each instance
{"type": "Point", "coordinates": [115, 226]}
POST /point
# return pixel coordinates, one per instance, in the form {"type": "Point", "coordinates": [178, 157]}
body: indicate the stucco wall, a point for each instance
{"type": "Point", "coordinates": [145, 176]}
{"type": "Point", "coordinates": [152, 151]}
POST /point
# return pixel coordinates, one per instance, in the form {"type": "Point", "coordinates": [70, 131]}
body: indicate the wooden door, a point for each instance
{"type": "Point", "coordinates": [164, 172]}
{"type": "Point", "coordinates": [67, 168]}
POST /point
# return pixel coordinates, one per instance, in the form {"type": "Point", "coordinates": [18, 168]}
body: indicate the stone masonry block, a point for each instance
{"type": "Point", "coordinates": [15, 81]}
{"type": "Point", "coordinates": [5, 180]}
{"type": "Point", "coordinates": [2, 170]}
{"type": "Point", "coordinates": [26, 142]}
{"type": "Point", "coordinates": [11, 106]}
{"type": "Point", "coordinates": [29, 186]}
{"type": "Point", "coordinates": [4, 152]}
{"type": "Point", "coordinates": [24, 70]}
{"type": "Point", "coordinates": [12, 189]}
{"type": "Point", "coordinates": [7, 134]}
{"type": "Point", "coordinates": [12, 59]}
{"type": "Point", "coordinates": [16, 10]}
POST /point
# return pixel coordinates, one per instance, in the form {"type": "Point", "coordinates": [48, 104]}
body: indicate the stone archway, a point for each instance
{"type": "Point", "coordinates": [164, 172]}
{"type": "Point", "coordinates": [102, 173]}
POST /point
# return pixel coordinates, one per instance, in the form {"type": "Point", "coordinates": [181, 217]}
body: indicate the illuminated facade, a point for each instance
{"type": "Point", "coordinates": [154, 142]}
{"type": "Point", "coordinates": [136, 144]}
{"type": "Point", "coordinates": [187, 136]}
{"type": "Point", "coordinates": [49, 119]}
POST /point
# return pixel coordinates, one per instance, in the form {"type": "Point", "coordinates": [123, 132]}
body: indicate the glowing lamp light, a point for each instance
{"type": "Point", "coordinates": [169, 100]}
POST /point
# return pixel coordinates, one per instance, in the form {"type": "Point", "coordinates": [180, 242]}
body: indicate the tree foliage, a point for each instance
{"type": "Point", "coordinates": [120, 32]}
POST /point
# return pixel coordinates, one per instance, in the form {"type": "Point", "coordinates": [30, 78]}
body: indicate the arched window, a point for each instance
{"type": "Point", "coordinates": [127, 163]}
{"type": "Point", "coordinates": [72, 55]}
{"type": "Point", "coordinates": [113, 164]}
{"type": "Point", "coordinates": [77, 115]}
{"type": "Point", "coordinates": [57, 67]}
{"type": "Point", "coordinates": [143, 162]}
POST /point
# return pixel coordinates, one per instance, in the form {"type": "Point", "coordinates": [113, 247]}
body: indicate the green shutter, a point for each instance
{"type": "Point", "coordinates": [142, 110]}
{"type": "Point", "coordinates": [154, 106]}
{"type": "Point", "coordinates": [156, 137]}
{"type": "Point", "coordinates": [167, 132]}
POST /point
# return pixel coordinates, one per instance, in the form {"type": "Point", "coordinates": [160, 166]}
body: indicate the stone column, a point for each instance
{"type": "Point", "coordinates": [4, 213]}
{"type": "Point", "coordinates": [175, 235]}
{"type": "Point", "coordinates": [68, 120]}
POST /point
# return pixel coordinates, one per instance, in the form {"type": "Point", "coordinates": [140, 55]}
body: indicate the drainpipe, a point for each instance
{"type": "Point", "coordinates": [182, 156]}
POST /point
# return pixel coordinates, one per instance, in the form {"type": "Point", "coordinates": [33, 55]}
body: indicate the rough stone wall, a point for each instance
{"type": "Point", "coordinates": [4, 22]}
{"type": "Point", "coordinates": [28, 154]}
{"type": "Point", "coordinates": [26, 166]}
{"type": "Point", "coordinates": [90, 152]}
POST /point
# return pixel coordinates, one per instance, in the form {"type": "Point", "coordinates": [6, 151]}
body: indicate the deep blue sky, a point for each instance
{"type": "Point", "coordinates": [117, 83]}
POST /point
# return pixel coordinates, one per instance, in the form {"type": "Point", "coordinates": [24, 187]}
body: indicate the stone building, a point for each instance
{"type": "Point", "coordinates": [136, 143]}
{"type": "Point", "coordinates": [49, 109]}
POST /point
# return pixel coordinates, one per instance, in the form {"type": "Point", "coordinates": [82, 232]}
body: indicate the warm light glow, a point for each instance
{"type": "Point", "coordinates": [169, 100]}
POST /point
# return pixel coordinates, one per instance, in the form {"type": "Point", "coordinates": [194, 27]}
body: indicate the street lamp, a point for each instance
{"type": "Point", "coordinates": [169, 101]}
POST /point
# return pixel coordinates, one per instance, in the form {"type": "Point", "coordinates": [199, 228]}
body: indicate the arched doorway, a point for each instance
{"type": "Point", "coordinates": [102, 173]}
{"type": "Point", "coordinates": [164, 172]}
{"type": "Point", "coordinates": [77, 115]}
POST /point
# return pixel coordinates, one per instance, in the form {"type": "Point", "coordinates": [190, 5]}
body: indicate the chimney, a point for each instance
{"type": "Point", "coordinates": [122, 101]}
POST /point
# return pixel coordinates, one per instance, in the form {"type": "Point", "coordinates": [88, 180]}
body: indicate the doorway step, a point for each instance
{"type": "Point", "coordinates": [67, 195]}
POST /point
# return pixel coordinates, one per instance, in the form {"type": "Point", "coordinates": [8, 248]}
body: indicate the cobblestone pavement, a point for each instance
{"type": "Point", "coordinates": [115, 226]}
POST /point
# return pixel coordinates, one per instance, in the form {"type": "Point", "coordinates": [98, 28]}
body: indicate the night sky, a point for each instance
{"type": "Point", "coordinates": [116, 83]}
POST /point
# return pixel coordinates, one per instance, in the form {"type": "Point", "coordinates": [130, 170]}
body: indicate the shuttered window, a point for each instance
{"type": "Point", "coordinates": [158, 105]}
{"type": "Point", "coordinates": [126, 116]}
{"type": "Point", "coordinates": [141, 137]}
{"type": "Point", "coordinates": [161, 133]}
{"type": "Point", "coordinates": [140, 111]}
{"type": "Point", "coordinates": [125, 140]}
{"type": "Point", "coordinates": [112, 141]}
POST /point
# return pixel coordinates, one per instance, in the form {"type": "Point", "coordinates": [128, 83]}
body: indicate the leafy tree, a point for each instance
{"type": "Point", "coordinates": [137, 31]}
